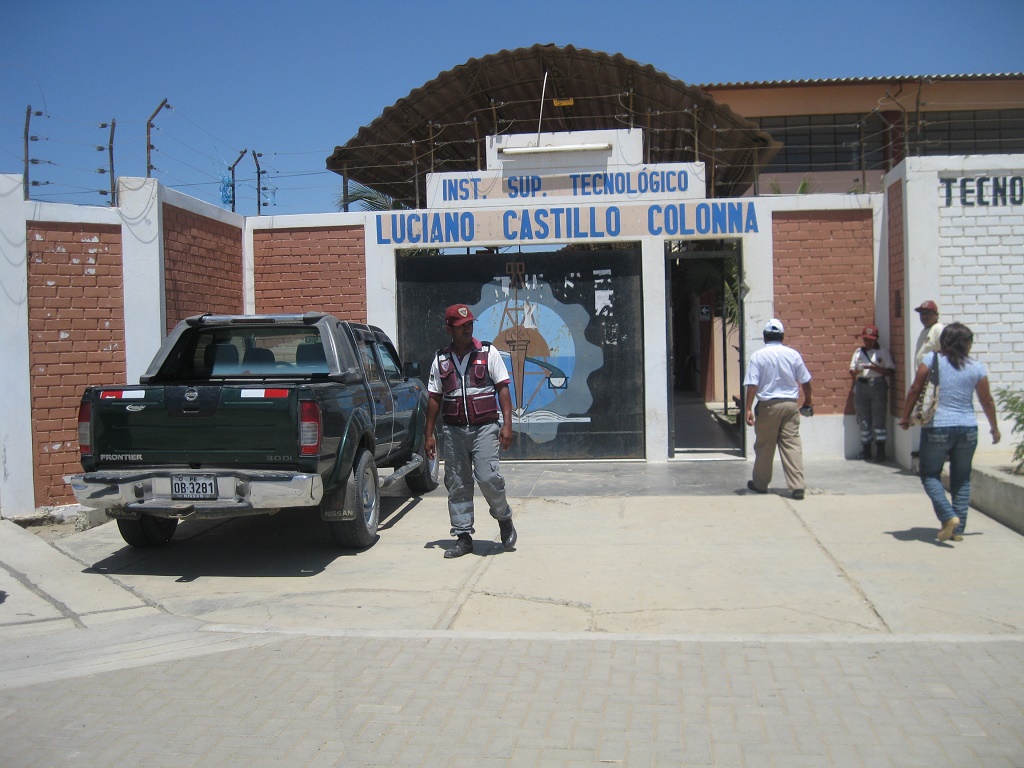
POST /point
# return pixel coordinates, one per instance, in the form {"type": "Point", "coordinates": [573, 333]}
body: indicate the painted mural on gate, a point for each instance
{"type": "Point", "coordinates": [544, 348]}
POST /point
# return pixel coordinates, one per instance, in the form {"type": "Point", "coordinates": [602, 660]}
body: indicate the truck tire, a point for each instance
{"type": "Point", "coordinates": [147, 531]}
{"type": "Point", "coordinates": [425, 479]}
{"type": "Point", "coordinates": [362, 495]}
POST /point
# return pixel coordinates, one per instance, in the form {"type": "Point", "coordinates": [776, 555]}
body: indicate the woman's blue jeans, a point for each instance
{"type": "Point", "coordinates": [957, 444]}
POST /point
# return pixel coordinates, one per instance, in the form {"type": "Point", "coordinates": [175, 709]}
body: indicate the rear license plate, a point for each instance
{"type": "Point", "coordinates": [193, 487]}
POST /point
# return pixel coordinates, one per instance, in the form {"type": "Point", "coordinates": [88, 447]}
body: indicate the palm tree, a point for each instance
{"type": "Point", "coordinates": [367, 198]}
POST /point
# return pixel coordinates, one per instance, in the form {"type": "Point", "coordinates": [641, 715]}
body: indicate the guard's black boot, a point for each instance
{"type": "Point", "coordinates": [463, 546]}
{"type": "Point", "coordinates": [880, 452]}
{"type": "Point", "coordinates": [865, 452]}
{"type": "Point", "coordinates": [508, 533]}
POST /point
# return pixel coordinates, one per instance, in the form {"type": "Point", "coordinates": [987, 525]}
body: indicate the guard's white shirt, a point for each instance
{"type": "Point", "coordinates": [777, 371]}
{"type": "Point", "coordinates": [864, 357]}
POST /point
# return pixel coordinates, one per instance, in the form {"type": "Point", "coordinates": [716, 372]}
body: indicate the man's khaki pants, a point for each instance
{"type": "Point", "coordinates": [777, 423]}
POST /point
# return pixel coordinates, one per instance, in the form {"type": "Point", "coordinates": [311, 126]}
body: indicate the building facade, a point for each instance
{"type": "Point", "coordinates": [585, 278]}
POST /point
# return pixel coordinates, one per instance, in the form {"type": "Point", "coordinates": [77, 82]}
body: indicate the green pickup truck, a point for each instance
{"type": "Point", "coordinates": [255, 414]}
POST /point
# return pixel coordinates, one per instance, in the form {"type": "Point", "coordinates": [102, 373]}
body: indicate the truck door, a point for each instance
{"type": "Point", "coordinates": [405, 397]}
{"type": "Point", "coordinates": [381, 400]}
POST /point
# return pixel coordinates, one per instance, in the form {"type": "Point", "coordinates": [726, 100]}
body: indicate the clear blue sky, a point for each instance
{"type": "Point", "coordinates": [294, 79]}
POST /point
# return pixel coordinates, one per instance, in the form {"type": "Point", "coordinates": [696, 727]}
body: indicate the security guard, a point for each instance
{"type": "Point", "coordinates": [468, 381]}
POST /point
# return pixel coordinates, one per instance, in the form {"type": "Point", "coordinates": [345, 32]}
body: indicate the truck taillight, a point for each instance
{"type": "Point", "coordinates": [310, 429]}
{"type": "Point", "coordinates": [85, 428]}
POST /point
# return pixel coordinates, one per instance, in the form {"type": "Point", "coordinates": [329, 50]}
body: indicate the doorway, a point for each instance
{"type": "Point", "coordinates": [705, 349]}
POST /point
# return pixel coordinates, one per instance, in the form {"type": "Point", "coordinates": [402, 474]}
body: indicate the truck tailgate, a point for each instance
{"type": "Point", "coordinates": [224, 425]}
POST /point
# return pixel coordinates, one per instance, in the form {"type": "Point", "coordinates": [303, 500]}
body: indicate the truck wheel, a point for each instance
{"type": "Point", "coordinates": [425, 479]}
{"type": "Point", "coordinates": [362, 495]}
{"type": "Point", "coordinates": [147, 531]}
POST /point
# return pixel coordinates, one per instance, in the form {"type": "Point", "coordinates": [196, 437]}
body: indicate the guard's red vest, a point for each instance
{"type": "Point", "coordinates": [469, 400]}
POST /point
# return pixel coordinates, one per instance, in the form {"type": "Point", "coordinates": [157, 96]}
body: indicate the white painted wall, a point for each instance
{"type": "Point", "coordinates": [16, 492]}
{"type": "Point", "coordinates": [970, 261]}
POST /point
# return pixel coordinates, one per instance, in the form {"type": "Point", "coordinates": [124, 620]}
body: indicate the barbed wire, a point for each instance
{"type": "Point", "coordinates": [184, 165]}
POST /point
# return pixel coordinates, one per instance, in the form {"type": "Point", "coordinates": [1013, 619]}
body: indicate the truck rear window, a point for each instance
{"type": "Point", "coordinates": [246, 352]}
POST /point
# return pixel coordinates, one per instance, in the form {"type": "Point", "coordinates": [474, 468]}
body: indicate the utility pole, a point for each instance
{"type": "Point", "coordinates": [149, 143]}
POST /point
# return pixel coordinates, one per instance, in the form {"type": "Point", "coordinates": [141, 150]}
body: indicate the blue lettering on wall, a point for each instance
{"type": "Point", "coordinates": [460, 189]}
{"type": "Point", "coordinates": [524, 186]}
{"type": "Point", "coordinates": [559, 223]}
{"type": "Point", "coordinates": [622, 183]}
{"type": "Point", "coordinates": [726, 218]}
{"type": "Point", "coordinates": [426, 228]}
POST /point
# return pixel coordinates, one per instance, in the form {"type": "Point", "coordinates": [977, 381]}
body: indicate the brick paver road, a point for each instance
{"type": "Point", "coordinates": [433, 699]}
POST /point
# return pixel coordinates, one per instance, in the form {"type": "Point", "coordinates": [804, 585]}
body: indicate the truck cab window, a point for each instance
{"type": "Point", "coordinates": [392, 370]}
{"type": "Point", "coordinates": [370, 362]}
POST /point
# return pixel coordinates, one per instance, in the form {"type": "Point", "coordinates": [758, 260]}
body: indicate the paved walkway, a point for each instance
{"type": "Point", "coordinates": [652, 616]}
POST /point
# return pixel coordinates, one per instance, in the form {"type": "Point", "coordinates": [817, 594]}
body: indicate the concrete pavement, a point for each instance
{"type": "Point", "coordinates": [652, 615]}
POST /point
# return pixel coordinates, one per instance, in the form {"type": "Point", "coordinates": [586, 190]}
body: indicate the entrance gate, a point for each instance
{"type": "Point", "coordinates": [568, 324]}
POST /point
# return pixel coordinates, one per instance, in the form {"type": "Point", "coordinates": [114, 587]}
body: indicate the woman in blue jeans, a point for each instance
{"type": "Point", "coordinates": [953, 431]}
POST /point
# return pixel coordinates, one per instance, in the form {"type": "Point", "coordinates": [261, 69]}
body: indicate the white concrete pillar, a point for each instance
{"type": "Point", "coordinates": [17, 495]}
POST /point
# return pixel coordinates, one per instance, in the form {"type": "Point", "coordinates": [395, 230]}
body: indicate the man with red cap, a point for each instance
{"type": "Point", "coordinates": [928, 340]}
{"type": "Point", "coordinates": [870, 368]}
{"type": "Point", "coordinates": [467, 384]}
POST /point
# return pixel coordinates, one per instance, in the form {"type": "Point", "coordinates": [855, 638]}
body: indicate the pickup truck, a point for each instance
{"type": "Point", "coordinates": [254, 414]}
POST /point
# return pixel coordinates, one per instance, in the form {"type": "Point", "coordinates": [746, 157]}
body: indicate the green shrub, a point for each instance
{"type": "Point", "coordinates": [1012, 403]}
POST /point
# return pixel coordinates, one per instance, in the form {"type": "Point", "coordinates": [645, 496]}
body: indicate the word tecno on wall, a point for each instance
{"type": "Point", "coordinates": [971, 191]}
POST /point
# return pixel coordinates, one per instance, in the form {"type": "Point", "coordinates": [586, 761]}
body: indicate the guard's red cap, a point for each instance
{"type": "Point", "coordinates": [928, 306]}
{"type": "Point", "coordinates": [458, 314]}
{"type": "Point", "coordinates": [869, 332]}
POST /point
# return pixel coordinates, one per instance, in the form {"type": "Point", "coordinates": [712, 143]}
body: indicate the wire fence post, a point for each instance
{"type": "Point", "coordinates": [110, 158]}
{"type": "Point", "coordinates": [259, 181]}
{"type": "Point", "coordinates": [149, 143]}
{"type": "Point", "coordinates": [240, 156]}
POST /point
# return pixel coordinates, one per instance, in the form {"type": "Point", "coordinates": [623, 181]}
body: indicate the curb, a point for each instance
{"type": "Point", "coordinates": [999, 494]}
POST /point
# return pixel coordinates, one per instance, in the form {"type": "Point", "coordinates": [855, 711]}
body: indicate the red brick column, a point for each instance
{"type": "Point", "coordinates": [202, 265]}
{"type": "Point", "coordinates": [824, 294]}
{"type": "Point", "coordinates": [311, 269]}
{"type": "Point", "coordinates": [76, 338]}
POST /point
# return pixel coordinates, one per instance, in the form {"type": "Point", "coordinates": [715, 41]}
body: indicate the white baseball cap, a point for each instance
{"type": "Point", "coordinates": [774, 326]}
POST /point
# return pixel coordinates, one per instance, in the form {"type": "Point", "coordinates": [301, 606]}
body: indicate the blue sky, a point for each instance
{"type": "Point", "coordinates": [293, 80]}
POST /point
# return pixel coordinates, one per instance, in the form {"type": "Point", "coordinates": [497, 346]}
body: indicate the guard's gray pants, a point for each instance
{"type": "Point", "coordinates": [472, 452]}
{"type": "Point", "coordinates": [871, 400]}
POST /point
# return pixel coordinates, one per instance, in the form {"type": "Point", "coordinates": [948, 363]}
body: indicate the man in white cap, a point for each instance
{"type": "Point", "coordinates": [775, 376]}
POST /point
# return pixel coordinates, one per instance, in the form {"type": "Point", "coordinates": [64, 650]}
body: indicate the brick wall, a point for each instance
{"type": "Point", "coordinates": [314, 269]}
{"type": "Point", "coordinates": [981, 262]}
{"type": "Point", "coordinates": [824, 294]}
{"type": "Point", "coordinates": [897, 295]}
{"type": "Point", "coordinates": [76, 330]}
{"type": "Point", "coordinates": [202, 265]}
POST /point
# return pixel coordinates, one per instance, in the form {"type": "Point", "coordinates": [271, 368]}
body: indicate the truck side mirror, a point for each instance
{"type": "Point", "coordinates": [411, 369]}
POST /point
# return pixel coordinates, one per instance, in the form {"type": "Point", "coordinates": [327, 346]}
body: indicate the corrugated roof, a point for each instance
{"type": "Point", "coordinates": [442, 125]}
{"type": "Point", "coordinates": [864, 80]}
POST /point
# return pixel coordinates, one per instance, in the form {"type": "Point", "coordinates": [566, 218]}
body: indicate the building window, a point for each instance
{"type": "Point", "coordinates": [818, 143]}
{"type": "Point", "coordinates": [826, 142]}
{"type": "Point", "coordinates": [981, 132]}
